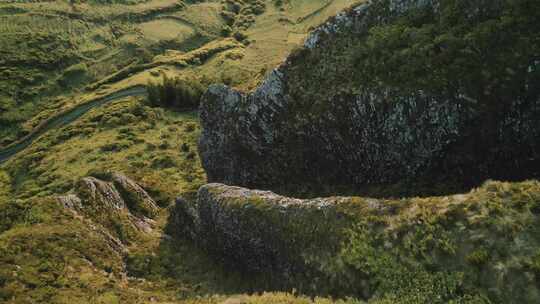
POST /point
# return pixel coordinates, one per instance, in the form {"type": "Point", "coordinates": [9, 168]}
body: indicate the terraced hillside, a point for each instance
{"type": "Point", "coordinates": [60, 53]}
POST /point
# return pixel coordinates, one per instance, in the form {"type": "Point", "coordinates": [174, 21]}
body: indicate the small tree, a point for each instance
{"type": "Point", "coordinates": [177, 93]}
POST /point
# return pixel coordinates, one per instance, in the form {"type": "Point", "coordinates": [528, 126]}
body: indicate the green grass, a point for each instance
{"type": "Point", "coordinates": [125, 136]}
{"type": "Point", "coordinates": [41, 42]}
{"type": "Point", "coordinates": [5, 186]}
{"type": "Point", "coordinates": [166, 29]}
{"type": "Point", "coordinates": [54, 56]}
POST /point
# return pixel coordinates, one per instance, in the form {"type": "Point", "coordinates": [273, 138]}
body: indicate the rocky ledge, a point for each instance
{"type": "Point", "coordinates": [460, 249]}
{"type": "Point", "coordinates": [114, 201]}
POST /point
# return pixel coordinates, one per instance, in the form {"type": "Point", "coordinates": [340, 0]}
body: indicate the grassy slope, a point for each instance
{"type": "Point", "coordinates": [59, 257]}
{"type": "Point", "coordinates": [126, 136]}
{"type": "Point", "coordinates": [55, 50]}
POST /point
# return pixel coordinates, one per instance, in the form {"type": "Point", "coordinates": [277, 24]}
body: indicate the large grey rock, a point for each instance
{"type": "Point", "coordinates": [100, 194]}
{"type": "Point", "coordinates": [259, 231]}
{"type": "Point", "coordinates": [369, 248]}
{"type": "Point", "coordinates": [135, 197]}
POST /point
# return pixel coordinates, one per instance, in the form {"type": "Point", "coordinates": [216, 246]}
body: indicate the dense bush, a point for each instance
{"type": "Point", "coordinates": [487, 50]}
{"type": "Point", "coordinates": [241, 14]}
{"type": "Point", "coordinates": [178, 93]}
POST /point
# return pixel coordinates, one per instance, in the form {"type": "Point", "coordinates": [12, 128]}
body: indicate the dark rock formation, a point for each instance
{"type": "Point", "coordinates": [260, 232]}
{"type": "Point", "coordinates": [328, 116]}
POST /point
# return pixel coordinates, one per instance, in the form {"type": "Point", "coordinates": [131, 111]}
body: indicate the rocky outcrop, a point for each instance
{"type": "Point", "coordinates": [100, 194]}
{"type": "Point", "coordinates": [316, 120]}
{"type": "Point", "coordinates": [119, 204]}
{"type": "Point", "coordinates": [476, 246]}
{"type": "Point", "coordinates": [134, 196]}
{"type": "Point", "coordinates": [259, 231]}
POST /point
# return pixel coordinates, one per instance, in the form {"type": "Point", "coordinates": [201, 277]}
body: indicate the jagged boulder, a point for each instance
{"type": "Point", "coordinates": [119, 204]}
{"type": "Point", "coordinates": [135, 197]}
{"type": "Point", "coordinates": [471, 248]}
{"type": "Point", "coordinates": [100, 194]}
{"type": "Point", "coordinates": [388, 92]}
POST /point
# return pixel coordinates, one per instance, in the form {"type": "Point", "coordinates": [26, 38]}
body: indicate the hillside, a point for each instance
{"type": "Point", "coordinates": [60, 56]}
{"type": "Point", "coordinates": [57, 54]}
{"type": "Point", "coordinates": [344, 152]}
{"type": "Point", "coordinates": [412, 104]}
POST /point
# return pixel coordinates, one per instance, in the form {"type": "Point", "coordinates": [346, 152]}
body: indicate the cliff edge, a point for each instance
{"type": "Point", "coordinates": [410, 92]}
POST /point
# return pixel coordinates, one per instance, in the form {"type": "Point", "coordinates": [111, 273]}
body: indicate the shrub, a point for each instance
{"type": "Point", "coordinates": [240, 36]}
{"type": "Point", "coordinates": [114, 147]}
{"type": "Point", "coordinates": [178, 93]}
{"type": "Point", "coordinates": [478, 257]}
{"type": "Point", "coordinates": [226, 31]}
{"type": "Point", "coordinates": [163, 162]}
{"type": "Point", "coordinates": [164, 145]}
{"type": "Point", "coordinates": [190, 127]}
{"type": "Point", "coordinates": [76, 70]}
{"type": "Point", "coordinates": [127, 118]}
{"type": "Point", "coordinates": [184, 147]}
{"type": "Point", "coordinates": [74, 75]}
{"type": "Point", "coordinates": [99, 173]}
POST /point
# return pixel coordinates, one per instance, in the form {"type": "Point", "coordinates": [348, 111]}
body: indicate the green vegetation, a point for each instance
{"type": "Point", "coordinates": [62, 257]}
{"type": "Point", "coordinates": [176, 93]}
{"type": "Point", "coordinates": [74, 75]}
{"type": "Point", "coordinates": [50, 255]}
{"type": "Point", "coordinates": [41, 55]}
{"type": "Point", "coordinates": [126, 136]}
{"type": "Point", "coordinates": [479, 247]}
{"type": "Point", "coordinates": [55, 55]}
{"type": "Point", "coordinates": [5, 186]}
{"type": "Point", "coordinates": [451, 54]}
{"type": "Point", "coordinates": [240, 15]}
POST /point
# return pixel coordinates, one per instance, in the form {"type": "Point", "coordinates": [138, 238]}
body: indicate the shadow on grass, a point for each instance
{"type": "Point", "coordinates": [182, 267]}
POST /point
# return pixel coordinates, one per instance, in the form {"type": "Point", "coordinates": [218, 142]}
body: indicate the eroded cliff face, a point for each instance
{"type": "Point", "coordinates": [475, 247]}
{"type": "Point", "coordinates": [328, 116]}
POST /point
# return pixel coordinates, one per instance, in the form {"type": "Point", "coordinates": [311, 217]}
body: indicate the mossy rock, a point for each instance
{"type": "Point", "coordinates": [479, 247]}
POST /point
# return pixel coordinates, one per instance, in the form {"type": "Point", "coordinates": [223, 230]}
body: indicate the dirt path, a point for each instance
{"type": "Point", "coordinates": [65, 118]}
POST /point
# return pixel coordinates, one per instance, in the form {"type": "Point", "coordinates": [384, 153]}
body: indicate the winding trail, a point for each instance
{"type": "Point", "coordinates": [65, 118]}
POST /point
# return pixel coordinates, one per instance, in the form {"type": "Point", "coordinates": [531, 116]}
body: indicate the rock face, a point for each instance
{"type": "Point", "coordinates": [119, 204]}
{"type": "Point", "coordinates": [419, 250]}
{"type": "Point", "coordinates": [259, 231]}
{"type": "Point", "coordinates": [135, 197]}
{"type": "Point", "coordinates": [329, 116]}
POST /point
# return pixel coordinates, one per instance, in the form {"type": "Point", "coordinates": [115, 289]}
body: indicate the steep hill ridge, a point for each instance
{"type": "Point", "coordinates": [478, 247]}
{"type": "Point", "coordinates": [391, 92]}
